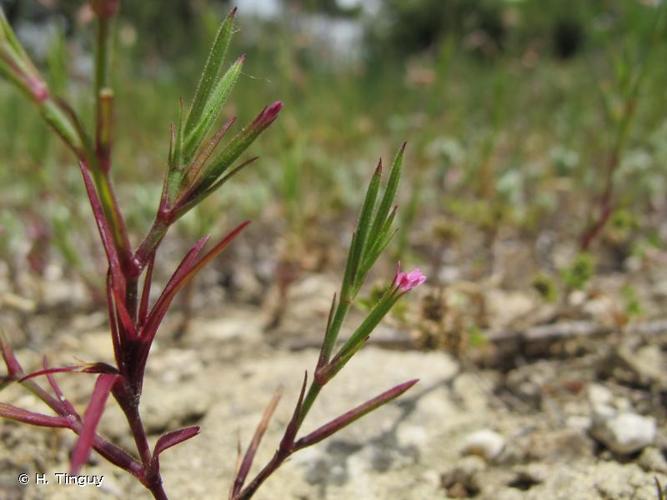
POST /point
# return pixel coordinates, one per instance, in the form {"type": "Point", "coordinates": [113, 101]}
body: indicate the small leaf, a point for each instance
{"type": "Point", "coordinates": [173, 438]}
{"type": "Point", "coordinates": [214, 105]}
{"type": "Point", "coordinates": [14, 369]}
{"type": "Point", "coordinates": [61, 122]}
{"type": "Point", "coordinates": [204, 155]}
{"type": "Point", "coordinates": [249, 456]}
{"type": "Point", "coordinates": [211, 70]}
{"type": "Point", "coordinates": [118, 279]}
{"type": "Point", "coordinates": [58, 391]}
{"type": "Point", "coordinates": [146, 291]}
{"type": "Point", "coordinates": [324, 358]}
{"type": "Point", "coordinates": [364, 330]}
{"type": "Point", "coordinates": [375, 250]}
{"type": "Point", "coordinates": [84, 368]}
{"type": "Point", "coordinates": [30, 417]}
{"type": "Point", "coordinates": [7, 33]}
{"type": "Point", "coordinates": [176, 162]}
{"type": "Point", "coordinates": [185, 272]}
{"type": "Point", "coordinates": [240, 143]}
{"type": "Point", "coordinates": [161, 306]}
{"type": "Point", "coordinates": [356, 413]}
{"type": "Point", "coordinates": [389, 195]}
{"type": "Point", "coordinates": [287, 442]}
{"type": "Point", "coordinates": [195, 196]}
{"type": "Point", "coordinates": [358, 249]}
{"type": "Point", "coordinates": [91, 418]}
{"type": "Point", "coordinates": [124, 316]}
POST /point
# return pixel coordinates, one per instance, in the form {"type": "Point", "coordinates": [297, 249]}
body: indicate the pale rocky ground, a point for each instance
{"type": "Point", "coordinates": [537, 418]}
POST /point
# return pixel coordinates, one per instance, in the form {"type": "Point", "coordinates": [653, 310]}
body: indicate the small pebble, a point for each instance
{"type": "Point", "coordinates": [625, 433]}
{"type": "Point", "coordinates": [486, 443]}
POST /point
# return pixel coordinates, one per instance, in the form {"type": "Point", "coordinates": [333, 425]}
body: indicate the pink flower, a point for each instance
{"type": "Point", "coordinates": [407, 281]}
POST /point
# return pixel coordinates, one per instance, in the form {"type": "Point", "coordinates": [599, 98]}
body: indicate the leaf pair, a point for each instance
{"type": "Point", "coordinates": [186, 270]}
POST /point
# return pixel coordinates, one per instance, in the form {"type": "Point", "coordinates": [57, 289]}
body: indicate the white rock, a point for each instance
{"type": "Point", "coordinates": [599, 395]}
{"type": "Point", "coordinates": [625, 432]}
{"type": "Point", "coordinates": [486, 443]}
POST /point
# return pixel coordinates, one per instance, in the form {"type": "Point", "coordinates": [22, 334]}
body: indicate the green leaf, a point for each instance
{"type": "Point", "coordinates": [62, 124]}
{"type": "Point", "coordinates": [389, 195]}
{"type": "Point", "coordinates": [364, 330]}
{"type": "Point", "coordinates": [217, 100]}
{"type": "Point", "coordinates": [239, 144]}
{"type": "Point", "coordinates": [7, 34]}
{"type": "Point", "coordinates": [377, 249]}
{"type": "Point", "coordinates": [381, 240]}
{"type": "Point", "coordinates": [209, 76]}
{"type": "Point", "coordinates": [358, 248]}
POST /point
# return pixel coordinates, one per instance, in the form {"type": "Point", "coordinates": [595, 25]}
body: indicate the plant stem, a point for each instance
{"type": "Point", "coordinates": [128, 400]}
{"type": "Point", "coordinates": [276, 461]}
{"type": "Point", "coordinates": [100, 168]}
{"type": "Point", "coordinates": [108, 450]}
{"type": "Point", "coordinates": [334, 329]}
{"type": "Point", "coordinates": [158, 492]}
{"type": "Point", "coordinates": [311, 396]}
{"type": "Point", "coordinates": [149, 245]}
{"type": "Point", "coordinates": [103, 95]}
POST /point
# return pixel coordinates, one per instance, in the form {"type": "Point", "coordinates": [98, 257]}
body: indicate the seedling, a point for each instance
{"type": "Point", "coordinates": [198, 164]}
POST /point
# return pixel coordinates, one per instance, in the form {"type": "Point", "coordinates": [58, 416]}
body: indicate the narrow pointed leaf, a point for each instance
{"type": "Point", "coordinates": [177, 160]}
{"type": "Point", "coordinates": [8, 33]}
{"type": "Point", "coordinates": [172, 144]}
{"type": "Point", "coordinates": [182, 276]}
{"type": "Point", "coordinates": [50, 371]}
{"type": "Point", "coordinates": [173, 438]}
{"type": "Point", "coordinates": [211, 70]}
{"type": "Point", "coordinates": [187, 263]}
{"type": "Point", "coordinates": [124, 316]}
{"type": "Point", "coordinates": [14, 369]}
{"type": "Point", "coordinates": [196, 196]}
{"type": "Point", "coordinates": [363, 227]}
{"type": "Point", "coordinates": [249, 456]}
{"type": "Point", "coordinates": [237, 466]}
{"type": "Point", "coordinates": [356, 413]}
{"type": "Point", "coordinates": [91, 418]}
{"type": "Point", "coordinates": [161, 306]}
{"type": "Point", "coordinates": [58, 391]}
{"type": "Point", "coordinates": [84, 368]}
{"type": "Point", "coordinates": [214, 105]}
{"type": "Point", "coordinates": [31, 417]}
{"type": "Point", "coordinates": [376, 250]}
{"type": "Point", "coordinates": [205, 154]}
{"type": "Point", "coordinates": [146, 291]}
{"type": "Point", "coordinates": [58, 118]}
{"type": "Point", "coordinates": [240, 143]}
{"type": "Point", "coordinates": [389, 194]}
{"type": "Point", "coordinates": [113, 322]}
{"type": "Point", "coordinates": [322, 360]}
{"type": "Point", "coordinates": [364, 330]}
{"type": "Point", "coordinates": [118, 281]}
{"type": "Point", "coordinates": [348, 276]}
{"type": "Point", "coordinates": [287, 442]}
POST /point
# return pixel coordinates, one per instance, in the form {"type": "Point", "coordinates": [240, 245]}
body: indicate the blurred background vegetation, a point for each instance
{"type": "Point", "coordinates": [516, 113]}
